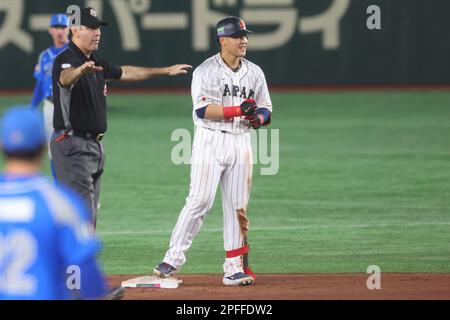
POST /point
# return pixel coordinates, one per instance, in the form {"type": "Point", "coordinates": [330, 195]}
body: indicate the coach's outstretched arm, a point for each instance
{"type": "Point", "coordinates": [132, 73]}
{"type": "Point", "coordinates": [71, 75]}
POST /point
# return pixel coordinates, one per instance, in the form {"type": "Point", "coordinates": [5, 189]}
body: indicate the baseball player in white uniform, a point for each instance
{"type": "Point", "coordinates": [230, 96]}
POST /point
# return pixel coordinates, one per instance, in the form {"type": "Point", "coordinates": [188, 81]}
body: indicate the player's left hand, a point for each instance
{"type": "Point", "coordinates": [255, 120]}
{"type": "Point", "coordinates": [178, 69]}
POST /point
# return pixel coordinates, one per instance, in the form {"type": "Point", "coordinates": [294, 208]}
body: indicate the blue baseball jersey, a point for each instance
{"type": "Point", "coordinates": [43, 75]}
{"type": "Point", "coordinates": [45, 233]}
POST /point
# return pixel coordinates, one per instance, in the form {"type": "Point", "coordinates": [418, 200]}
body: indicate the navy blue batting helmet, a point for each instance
{"type": "Point", "coordinates": [231, 27]}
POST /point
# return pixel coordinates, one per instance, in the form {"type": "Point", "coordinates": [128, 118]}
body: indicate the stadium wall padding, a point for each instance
{"type": "Point", "coordinates": [305, 42]}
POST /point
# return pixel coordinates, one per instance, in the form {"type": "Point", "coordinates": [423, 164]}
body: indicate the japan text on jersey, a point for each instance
{"type": "Point", "coordinates": [213, 82]}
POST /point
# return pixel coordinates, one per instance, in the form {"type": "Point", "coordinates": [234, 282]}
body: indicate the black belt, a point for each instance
{"type": "Point", "coordinates": [82, 134]}
{"type": "Point", "coordinates": [223, 131]}
{"type": "Point", "coordinates": [88, 135]}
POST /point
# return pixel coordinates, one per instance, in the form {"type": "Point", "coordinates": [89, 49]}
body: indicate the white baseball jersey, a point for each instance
{"type": "Point", "coordinates": [214, 82]}
{"type": "Point", "coordinates": [221, 155]}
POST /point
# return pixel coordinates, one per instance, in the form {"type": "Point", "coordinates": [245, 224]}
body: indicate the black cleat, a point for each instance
{"type": "Point", "coordinates": [238, 279]}
{"type": "Point", "coordinates": [164, 270]}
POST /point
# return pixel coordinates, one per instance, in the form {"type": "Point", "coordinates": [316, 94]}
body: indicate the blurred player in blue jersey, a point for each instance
{"type": "Point", "coordinates": [43, 90]}
{"type": "Point", "coordinates": [44, 228]}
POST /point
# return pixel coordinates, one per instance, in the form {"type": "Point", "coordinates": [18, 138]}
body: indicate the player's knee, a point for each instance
{"type": "Point", "coordinates": [199, 202]}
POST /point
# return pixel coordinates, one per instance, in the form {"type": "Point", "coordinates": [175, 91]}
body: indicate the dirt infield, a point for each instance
{"type": "Point", "coordinates": [299, 287]}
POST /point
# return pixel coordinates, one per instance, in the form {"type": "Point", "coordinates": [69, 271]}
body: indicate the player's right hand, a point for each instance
{"type": "Point", "coordinates": [248, 107]}
{"type": "Point", "coordinates": [89, 67]}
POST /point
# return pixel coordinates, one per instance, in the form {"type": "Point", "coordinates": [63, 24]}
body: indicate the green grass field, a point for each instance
{"type": "Point", "coordinates": [364, 179]}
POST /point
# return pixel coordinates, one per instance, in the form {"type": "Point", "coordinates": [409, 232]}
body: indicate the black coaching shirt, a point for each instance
{"type": "Point", "coordinates": [81, 107]}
